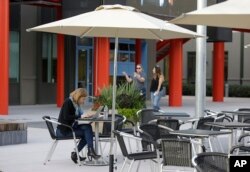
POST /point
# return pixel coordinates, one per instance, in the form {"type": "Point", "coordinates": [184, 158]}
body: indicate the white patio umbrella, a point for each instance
{"type": "Point", "coordinates": [119, 22]}
{"type": "Point", "coordinates": [231, 13]}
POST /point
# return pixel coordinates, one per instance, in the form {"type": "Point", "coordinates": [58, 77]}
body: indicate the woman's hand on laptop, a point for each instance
{"type": "Point", "coordinates": [88, 114]}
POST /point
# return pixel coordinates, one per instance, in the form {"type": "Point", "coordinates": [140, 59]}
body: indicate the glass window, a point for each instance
{"type": "Point", "coordinates": [85, 41]}
{"type": "Point", "coordinates": [126, 52]}
{"type": "Point", "coordinates": [14, 57]}
{"type": "Point", "coordinates": [123, 57]}
{"type": "Point", "coordinates": [123, 47]}
{"type": "Point", "coordinates": [49, 57]}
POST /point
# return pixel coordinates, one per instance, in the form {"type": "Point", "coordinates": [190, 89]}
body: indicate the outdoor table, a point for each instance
{"type": "Point", "coordinates": [100, 161]}
{"type": "Point", "coordinates": [231, 126]}
{"type": "Point", "coordinates": [170, 115]}
{"type": "Point", "coordinates": [199, 134]}
{"type": "Point", "coordinates": [236, 113]}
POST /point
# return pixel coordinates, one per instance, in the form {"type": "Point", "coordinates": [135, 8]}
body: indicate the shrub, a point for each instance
{"type": "Point", "coordinates": [128, 100]}
{"type": "Point", "coordinates": [129, 113]}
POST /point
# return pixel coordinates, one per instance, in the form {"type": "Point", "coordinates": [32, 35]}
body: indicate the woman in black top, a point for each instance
{"type": "Point", "coordinates": [70, 111]}
{"type": "Point", "coordinates": [156, 87]}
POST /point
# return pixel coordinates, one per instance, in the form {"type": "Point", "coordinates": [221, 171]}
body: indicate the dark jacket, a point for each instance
{"type": "Point", "coordinates": [67, 115]}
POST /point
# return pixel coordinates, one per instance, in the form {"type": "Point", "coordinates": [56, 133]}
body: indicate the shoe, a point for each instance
{"type": "Point", "coordinates": [91, 154]}
{"type": "Point", "coordinates": [74, 157]}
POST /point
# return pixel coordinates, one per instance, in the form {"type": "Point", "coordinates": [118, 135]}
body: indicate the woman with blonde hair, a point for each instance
{"type": "Point", "coordinates": [156, 91]}
{"type": "Point", "coordinates": [70, 111]}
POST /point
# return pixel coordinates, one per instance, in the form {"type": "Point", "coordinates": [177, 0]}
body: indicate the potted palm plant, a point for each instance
{"type": "Point", "coordinates": [128, 100]}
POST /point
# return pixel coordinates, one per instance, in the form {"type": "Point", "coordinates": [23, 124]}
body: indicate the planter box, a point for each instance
{"type": "Point", "coordinates": [13, 133]}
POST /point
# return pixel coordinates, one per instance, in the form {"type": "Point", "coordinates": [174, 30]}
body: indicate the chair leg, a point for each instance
{"type": "Point", "coordinates": [116, 149]}
{"type": "Point", "coordinates": [138, 166]}
{"type": "Point", "coordinates": [77, 152]}
{"type": "Point", "coordinates": [161, 167]}
{"type": "Point", "coordinates": [219, 143]}
{"type": "Point", "coordinates": [123, 165]}
{"type": "Point", "coordinates": [130, 166]}
{"type": "Point", "coordinates": [51, 151]}
{"type": "Point", "coordinates": [210, 144]}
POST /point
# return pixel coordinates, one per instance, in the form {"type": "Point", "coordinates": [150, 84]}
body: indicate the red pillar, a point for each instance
{"type": "Point", "coordinates": [4, 56]}
{"type": "Point", "coordinates": [218, 72]}
{"type": "Point", "coordinates": [60, 65]}
{"type": "Point", "coordinates": [137, 51]}
{"type": "Point", "coordinates": [101, 64]}
{"type": "Point", "coordinates": [175, 73]}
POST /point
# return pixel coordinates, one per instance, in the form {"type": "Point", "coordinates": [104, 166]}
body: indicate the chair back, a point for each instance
{"type": "Point", "coordinates": [201, 123]}
{"type": "Point", "coordinates": [50, 126]}
{"type": "Point", "coordinates": [121, 142]}
{"type": "Point", "coordinates": [152, 130]}
{"type": "Point", "coordinates": [107, 125]}
{"type": "Point", "coordinates": [170, 123]}
{"type": "Point", "coordinates": [146, 115]}
{"type": "Point", "coordinates": [243, 118]}
{"type": "Point", "coordinates": [176, 152]}
{"type": "Point", "coordinates": [221, 117]}
{"type": "Point", "coordinates": [212, 161]}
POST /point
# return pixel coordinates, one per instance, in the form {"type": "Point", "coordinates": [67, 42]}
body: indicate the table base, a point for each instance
{"type": "Point", "coordinates": [99, 162]}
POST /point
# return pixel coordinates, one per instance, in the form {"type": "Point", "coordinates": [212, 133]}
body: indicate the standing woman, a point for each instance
{"type": "Point", "coordinates": [70, 111]}
{"type": "Point", "coordinates": [156, 87]}
{"type": "Point", "coordinates": [138, 80]}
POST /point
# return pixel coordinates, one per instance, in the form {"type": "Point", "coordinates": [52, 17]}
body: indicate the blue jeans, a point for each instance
{"type": "Point", "coordinates": [155, 99]}
{"type": "Point", "coordinates": [83, 131]}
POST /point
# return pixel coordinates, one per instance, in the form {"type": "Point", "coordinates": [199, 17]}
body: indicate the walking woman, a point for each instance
{"type": "Point", "coordinates": [70, 111]}
{"type": "Point", "coordinates": [156, 91]}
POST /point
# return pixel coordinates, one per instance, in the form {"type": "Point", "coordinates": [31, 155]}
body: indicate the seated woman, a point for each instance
{"type": "Point", "coordinates": [70, 111]}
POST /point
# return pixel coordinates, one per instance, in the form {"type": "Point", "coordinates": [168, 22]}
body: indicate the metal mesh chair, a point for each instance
{"type": "Point", "coordinates": [244, 118]}
{"type": "Point", "coordinates": [151, 129]}
{"type": "Point", "coordinates": [50, 122]}
{"type": "Point", "coordinates": [201, 123]}
{"type": "Point", "coordinates": [146, 115]}
{"type": "Point", "coordinates": [176, 152]}
{"type": "Point", "coordinates": [221, 117]}
{"type": "Point", "coordinates": [243, 147]}
{"type": "Point", "coordinates": [152, 155]}
{"type": "Point", "coordinates": [105, 135]}
{"type": "Point", "coordinates": [173, 124]}
{"type": "Point", "coordinates": [211, 162]}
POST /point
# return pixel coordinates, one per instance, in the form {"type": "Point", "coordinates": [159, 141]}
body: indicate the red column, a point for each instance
{"type": "Point", "coordinates": [101, 64]}
{"type": "Point", "coordinates": [175, 73]}
{"type": "Point", "coordinates": [4, 56]}
{"type": "Point", "coordinates": [218, 72]}
{"type": "Point", "coordinates": [137, 51]}
{"type": "Point", "coordinates": [60, 65]}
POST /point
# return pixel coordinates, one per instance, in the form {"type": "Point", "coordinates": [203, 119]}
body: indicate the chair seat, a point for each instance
{"type": "Point", "coordinates": [66, 138]}
{"type": "Point", "coordinates": [128, 130]}
{"type": "Point", "coordinates": [245, 148]}
{"type": "Point", "coordinates": [142, 155]}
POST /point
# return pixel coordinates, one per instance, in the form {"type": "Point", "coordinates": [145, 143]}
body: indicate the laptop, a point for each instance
{"type": "Point", "coordinates": [96, 115]}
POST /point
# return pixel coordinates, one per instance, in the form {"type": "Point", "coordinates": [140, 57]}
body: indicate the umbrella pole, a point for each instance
{"type": "Point", "coordinates": [111, 155]}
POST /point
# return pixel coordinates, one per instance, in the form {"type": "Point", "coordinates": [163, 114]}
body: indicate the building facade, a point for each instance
{"type": "Point", "coordinates": [34, 57]}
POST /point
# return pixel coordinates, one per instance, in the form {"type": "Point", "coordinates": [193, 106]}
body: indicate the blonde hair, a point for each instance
{"type": "Point", "coordinates": [78, 93]}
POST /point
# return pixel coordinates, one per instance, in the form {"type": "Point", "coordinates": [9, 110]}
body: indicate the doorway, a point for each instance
{"type": "Point", "coordinates": [84, 68]}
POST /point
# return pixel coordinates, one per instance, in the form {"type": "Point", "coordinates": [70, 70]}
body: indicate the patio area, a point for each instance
{"type": "Point", "coordinates": [29, 157]}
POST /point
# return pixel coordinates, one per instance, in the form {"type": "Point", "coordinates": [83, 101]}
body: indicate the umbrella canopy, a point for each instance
{"type": "Point", "coordinates": [120, 22]}
{"type": "Point", "coordinates": [116, 21]}
{"type": "Point", "coordinates": [231, 13]}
